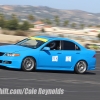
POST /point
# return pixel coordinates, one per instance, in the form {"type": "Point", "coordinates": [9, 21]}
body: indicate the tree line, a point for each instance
{"type": "Point", "coordinates": [13, 23]}
{"type": "Point", "coordinates": [56, 21]}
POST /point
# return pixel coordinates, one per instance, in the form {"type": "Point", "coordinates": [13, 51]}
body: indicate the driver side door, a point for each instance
{"type": "Point", "coordinates": [50, 59]}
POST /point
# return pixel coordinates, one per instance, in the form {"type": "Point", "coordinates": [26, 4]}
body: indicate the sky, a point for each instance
{"type": "Point", "coordinates": [92, 6]}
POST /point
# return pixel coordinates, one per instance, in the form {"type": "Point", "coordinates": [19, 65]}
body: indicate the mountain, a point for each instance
{"type": "Point", "coordinates": [41, 12]}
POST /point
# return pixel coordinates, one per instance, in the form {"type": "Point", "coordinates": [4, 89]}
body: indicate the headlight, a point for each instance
{"type": "Point", "coordinates": [12, 54]}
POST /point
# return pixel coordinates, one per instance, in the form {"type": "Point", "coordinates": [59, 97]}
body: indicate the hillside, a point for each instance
{"type": "Point", "coordinates": [41, 12]}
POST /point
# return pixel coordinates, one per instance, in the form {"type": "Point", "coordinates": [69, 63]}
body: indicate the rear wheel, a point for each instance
{"type": "Point", "coordinates": [28, 64]}
{"type": "Point", "coordinates": [80, 67]}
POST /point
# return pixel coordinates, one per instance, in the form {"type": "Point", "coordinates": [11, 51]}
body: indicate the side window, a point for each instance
{"type": "Point", "coordinates": [54, 45]}
{"type": "Point", "coordinates": [77, 48]}
{"type": "Point", "coordinates": [67, 45]}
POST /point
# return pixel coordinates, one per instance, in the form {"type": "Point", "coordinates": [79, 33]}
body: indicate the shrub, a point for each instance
{"type": "Point", "coordinates": [43, 30]}
{"type": "Point", "coordinates": [12, 24]}
{"type": "Point", "coordinates": [98, 36]}
{"type": "Point", "coordinates": [6, 33]}
{"type": "Point", "coordinates": [25, 26]}
{"type": "Point", "coordinates": [61, 35]}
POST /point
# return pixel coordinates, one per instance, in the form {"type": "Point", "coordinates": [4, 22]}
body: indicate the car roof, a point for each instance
{"type": "Point", "coordinates": [58, 38]}
{"type": "Point", "coordinates": [52, 37]}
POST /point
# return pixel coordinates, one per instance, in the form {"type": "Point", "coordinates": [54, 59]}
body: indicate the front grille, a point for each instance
{"type": "Point", "coordinates": [6, 62]}
{"type": "Point", "coordinates": [0, 61]}
{"type": "Point", "coordinates": [1, 53]}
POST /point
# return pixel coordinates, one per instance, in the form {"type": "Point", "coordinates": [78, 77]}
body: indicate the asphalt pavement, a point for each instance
{"type": "Point", "coordinates": [75, 86]}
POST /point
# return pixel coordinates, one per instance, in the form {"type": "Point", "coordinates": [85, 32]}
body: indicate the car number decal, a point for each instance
{"type": "Point", "coordinates": [68, 58]}
{"type": "Point", "coordinates": [55, 58]}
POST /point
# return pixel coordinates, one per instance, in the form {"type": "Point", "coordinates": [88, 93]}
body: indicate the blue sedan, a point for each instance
{"type": "Point", "coordinates": [48, 53]}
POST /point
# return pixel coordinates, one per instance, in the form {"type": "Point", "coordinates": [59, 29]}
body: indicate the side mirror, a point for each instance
{"type": "Point", "coordinates": [46, 48]}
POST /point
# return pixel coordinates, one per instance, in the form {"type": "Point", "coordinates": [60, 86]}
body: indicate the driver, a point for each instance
{"type": "Point", "coordinates": [53, 46]}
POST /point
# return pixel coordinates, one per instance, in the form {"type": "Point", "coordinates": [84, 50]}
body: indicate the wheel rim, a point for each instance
{"type": "Point", "coordinates": [81, 66]}
{"type": "Point", "coordinates": [28, 64]}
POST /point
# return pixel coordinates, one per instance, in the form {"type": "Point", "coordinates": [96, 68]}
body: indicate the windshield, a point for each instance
{"type": "Point", "coordinates": [31, 43]}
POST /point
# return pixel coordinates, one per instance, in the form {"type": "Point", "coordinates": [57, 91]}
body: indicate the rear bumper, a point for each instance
{"type": "Point", "coordinates": [92, 64]}
{"type": "Point", "coordinates": [92, 67]}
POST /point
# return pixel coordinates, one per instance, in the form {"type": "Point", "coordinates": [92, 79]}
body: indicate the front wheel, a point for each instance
{"type": "Point", "coordinates": [80, 67]}
{"type": "Point", "coordinates": [28, 64]}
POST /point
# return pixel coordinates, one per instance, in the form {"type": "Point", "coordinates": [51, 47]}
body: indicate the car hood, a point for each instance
{"type": "Point", "coordinates": [13, 48]}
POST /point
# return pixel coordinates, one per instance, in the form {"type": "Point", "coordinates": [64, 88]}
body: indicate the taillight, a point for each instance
{"type": "Point", "coordinates": [94, 56]}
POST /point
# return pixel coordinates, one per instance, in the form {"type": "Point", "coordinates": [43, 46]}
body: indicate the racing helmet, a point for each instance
{"type": "Point", "coordinates": [52, 45]}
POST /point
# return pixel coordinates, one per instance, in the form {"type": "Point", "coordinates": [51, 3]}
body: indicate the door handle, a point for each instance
{"type": "Point", "coordinates": [77, 53]}
{"type": "Point", "coordinates": [59, 53]}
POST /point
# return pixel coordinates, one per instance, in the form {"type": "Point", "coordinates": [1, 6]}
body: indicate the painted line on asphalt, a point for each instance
{"type": "Point", "coordinates": [97, 70]}
{"type": "Point", "coordinates": [83, 91]}
{"type": "Point", "coordinates": [97, 53]}
{"type": "Point", "coordinates": [97, 67]}
{"type": "Point", "coordinates": [65, 91]}
{"type": "Point", "coordinates": [54, 80]}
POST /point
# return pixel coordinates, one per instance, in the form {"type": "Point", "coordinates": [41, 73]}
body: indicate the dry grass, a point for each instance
{"type": "Point", "coordinates": [61, 35]}
{"type": "Point", "coordinates": [21, 33]}
{"type": "Point", "coordinates": [7, 32]}
{"type": "Point", "coordinates": [82, 40]}
{"type": "Point", "coordinates": [15, 36]}
{"type": "Point", "coordinates": [95, 41]}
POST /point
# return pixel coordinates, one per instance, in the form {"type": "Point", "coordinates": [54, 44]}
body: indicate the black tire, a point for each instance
{"type": "Point", "coordinates": [81, 67]}
{"type": "Point", "coordinates": [28, 64]}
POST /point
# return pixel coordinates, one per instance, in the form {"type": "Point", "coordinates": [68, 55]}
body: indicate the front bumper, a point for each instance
{"type": "Point", "coordinates": [10, 62]}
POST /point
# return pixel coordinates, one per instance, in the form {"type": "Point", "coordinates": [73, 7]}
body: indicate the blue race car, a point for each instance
{"type": "Point", "coordinates": [48, 53]}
